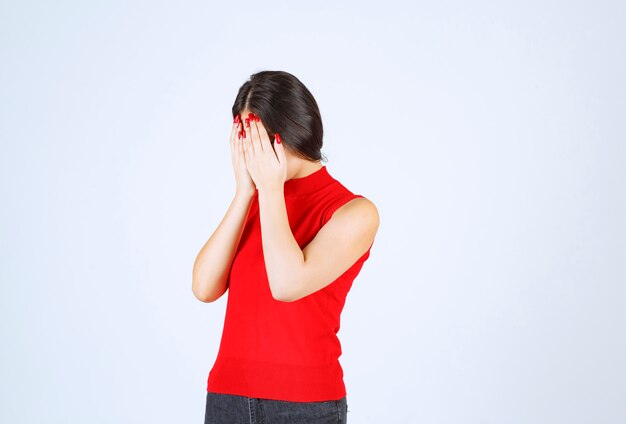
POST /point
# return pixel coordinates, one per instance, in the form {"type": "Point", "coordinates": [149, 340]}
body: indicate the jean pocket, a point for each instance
{"type": "Point", "coordinates": [283, 412]}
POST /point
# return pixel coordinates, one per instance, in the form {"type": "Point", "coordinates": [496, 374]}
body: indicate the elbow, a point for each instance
{"type": "Point", "coordinates": [282, 298]}
{"type": "Point", "coordinates": [202, 297]}
{"type": "Point", "coordinates": [203, 294]}
{"type": "Point", "coordinates": [280, 294]}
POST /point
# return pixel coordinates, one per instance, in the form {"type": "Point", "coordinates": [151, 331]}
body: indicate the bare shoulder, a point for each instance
{"type": "Point", "coordinates": [360, 211]}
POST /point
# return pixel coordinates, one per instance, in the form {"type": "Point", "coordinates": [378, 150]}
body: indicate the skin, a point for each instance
{"type": "Point", "coordinates": [293, 273]}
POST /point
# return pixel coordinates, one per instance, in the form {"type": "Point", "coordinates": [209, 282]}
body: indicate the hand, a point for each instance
{"type": "Point", "coordinates": [266, 164]}
{"type": "Point", "coordinates": [244, 183]}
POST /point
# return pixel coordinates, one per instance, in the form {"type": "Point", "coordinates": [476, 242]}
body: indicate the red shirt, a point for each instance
{"type": "Point", "coordinates": [284, 350]}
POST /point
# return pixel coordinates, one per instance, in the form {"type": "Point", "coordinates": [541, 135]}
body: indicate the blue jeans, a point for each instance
{"type": "Point", "coordinates": [234, 409]}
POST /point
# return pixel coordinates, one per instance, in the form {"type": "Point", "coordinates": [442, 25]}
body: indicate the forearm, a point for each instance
{"type": "Point", "coordinates": [212, 265]}
{"type": "Point", "coordinates": [284, 259]}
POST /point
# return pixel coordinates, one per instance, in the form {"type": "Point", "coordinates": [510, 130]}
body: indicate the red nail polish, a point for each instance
{"type": "Point", "coordinates": [239, 134]}
{"type": "Point", "coordinates": [278, 140]}
{"type": "Point", "coordinates": [256, 118]}
{"type": "Point", "coordinates": [244, 133]}
{"type": "Point", "coordinates": [251, 116]}
{"type": "Point", "coordinates": [237, 119]}
{"type": "Point", "coordinates": [247, 122]}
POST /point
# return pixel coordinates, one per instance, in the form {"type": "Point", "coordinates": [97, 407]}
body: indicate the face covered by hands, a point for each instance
{"type": "Point", "coordinates": [266, 163]}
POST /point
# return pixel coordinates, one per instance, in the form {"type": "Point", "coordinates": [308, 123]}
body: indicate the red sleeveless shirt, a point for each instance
{"type": "Point", "coordinates": [284, 350]}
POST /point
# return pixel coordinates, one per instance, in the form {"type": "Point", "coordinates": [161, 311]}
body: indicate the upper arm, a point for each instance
{"type": "Point", "coordinates": [347, 235]}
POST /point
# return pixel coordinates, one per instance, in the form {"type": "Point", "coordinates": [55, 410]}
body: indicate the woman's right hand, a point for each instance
{"type": "Point", "coordinates": [244, 183]}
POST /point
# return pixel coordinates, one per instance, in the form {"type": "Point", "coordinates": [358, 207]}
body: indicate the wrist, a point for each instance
{"type": "Point", "coordinates": [271, 190]}
{"type": "Point", "coordinates": [245, 194]}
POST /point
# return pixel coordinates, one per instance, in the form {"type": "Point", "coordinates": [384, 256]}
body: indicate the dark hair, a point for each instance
{"type": "Point", "coordinates": [286, 107]}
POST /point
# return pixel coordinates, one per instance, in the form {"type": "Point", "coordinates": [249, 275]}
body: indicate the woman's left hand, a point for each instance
{"type": "Point", "coordinates": [266, 164]}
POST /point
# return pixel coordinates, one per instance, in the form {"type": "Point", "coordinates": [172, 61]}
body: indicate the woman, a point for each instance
{"type": "Point", "coordinates": [288, 249]}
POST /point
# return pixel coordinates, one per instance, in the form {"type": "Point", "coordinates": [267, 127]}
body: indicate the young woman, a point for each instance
{"type": "Point", "coordinates": [288, 249]}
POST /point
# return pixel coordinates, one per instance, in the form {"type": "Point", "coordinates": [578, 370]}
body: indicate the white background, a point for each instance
{"type": "Point", "coordinates": [490, 135]}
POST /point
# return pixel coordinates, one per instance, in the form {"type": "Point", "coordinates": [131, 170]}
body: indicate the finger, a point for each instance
{"type": "Point", "coordinates": [239, 142]}
{"type": "Point", "coordinates": [240, 149]}
{"type": "Point", "coordinates": [235, 137]}
{"type": "Point", "coordinates": [263, 137]}
{"type": "Point", "coordinates": [254, 135]}
{"type": "Point", "coordinates": [246, 141]}
{"type": "Point", "coordinates": [247, 135]}
{"type": "Point", "coordinates": [234, 132]}
{"type": "Point", "coordinates": [244, 146]}
{"type": "Point", "coordinates": [279, 149]}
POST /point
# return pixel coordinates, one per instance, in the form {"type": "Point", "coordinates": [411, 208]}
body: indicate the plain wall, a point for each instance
{"type": "Point", "coordinates": [490, 135]}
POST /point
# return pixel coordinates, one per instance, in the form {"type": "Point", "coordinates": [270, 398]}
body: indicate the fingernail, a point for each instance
{"type": "Point", "coordinates": [256, 118]}
{"type": "Point", "coordinates": [278, 140]}
{"type": "Point", "coordinates": [244, 133]}
{"type": "Point", "coordinates": [251, 116]}
{"type": "Point", "coordinates": [247, 122]}
{"type": "Point", "coordinates": [237, 119]}
{"type": "Point", "coordinates": [239, 134]}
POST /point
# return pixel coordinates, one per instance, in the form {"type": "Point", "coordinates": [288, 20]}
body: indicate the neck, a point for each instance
{"type": "Point", "coordinates": [306, 168]}
{"type": "Point", "coordinates": [315, 179]}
